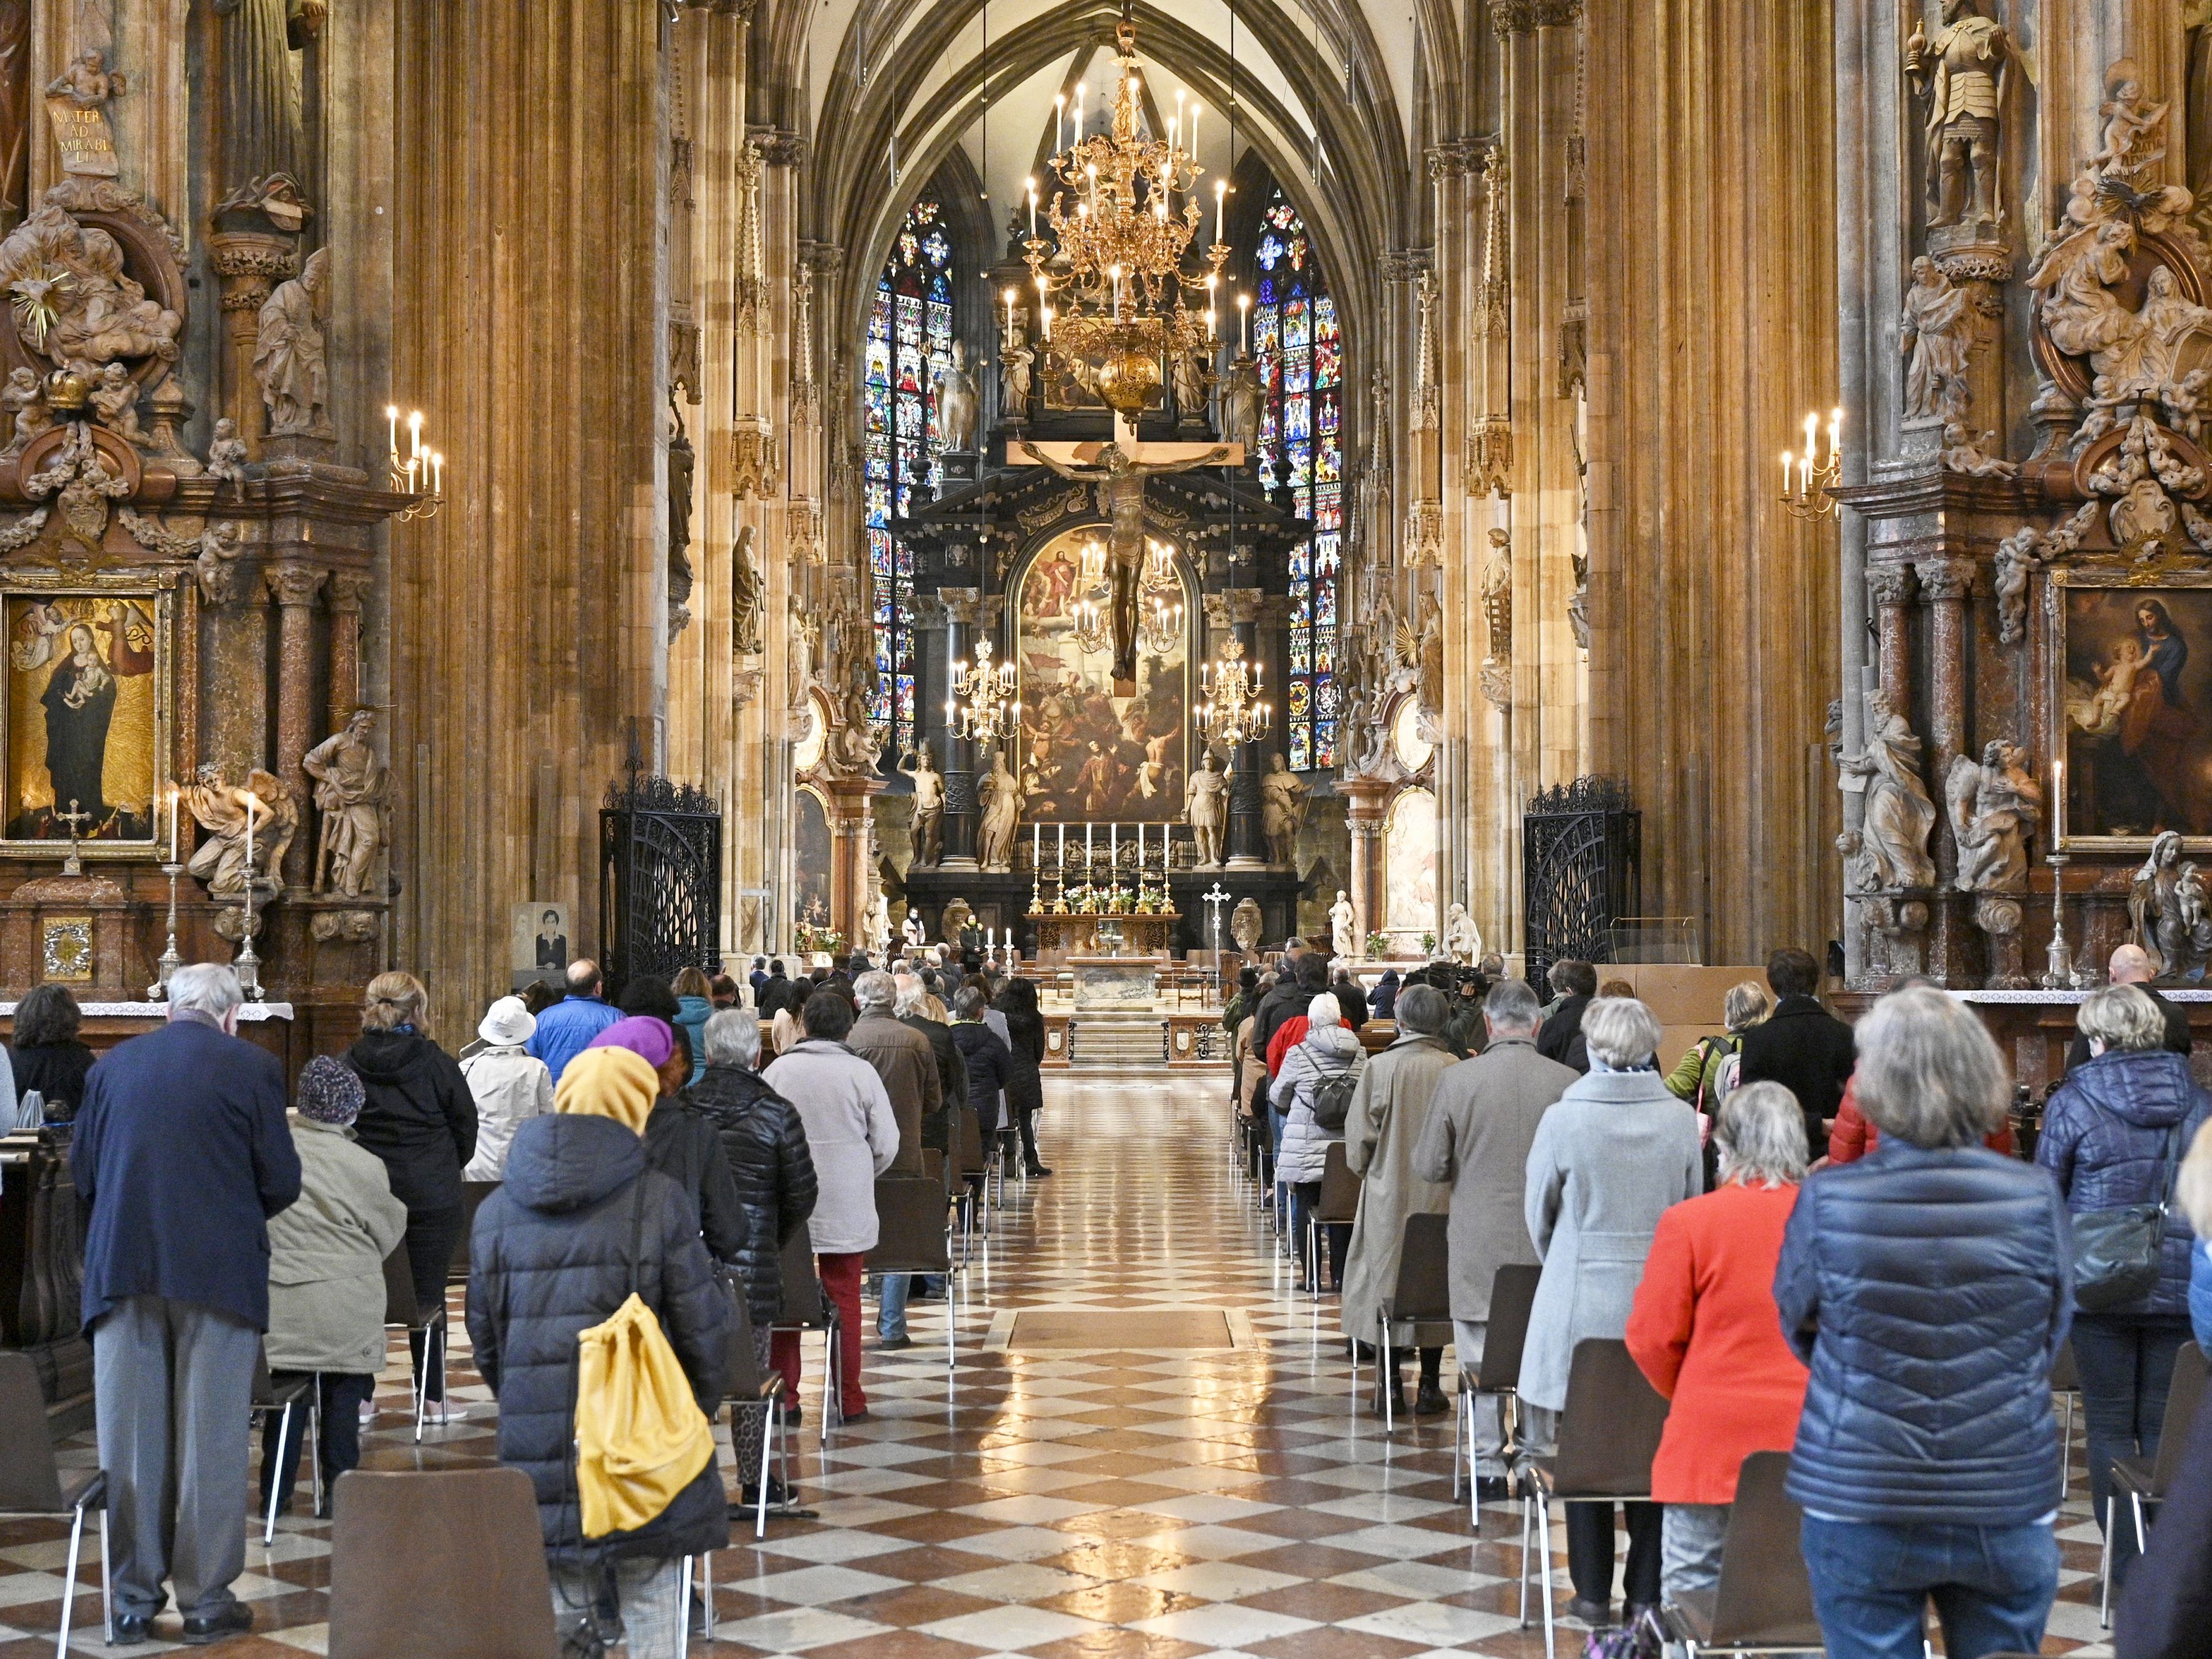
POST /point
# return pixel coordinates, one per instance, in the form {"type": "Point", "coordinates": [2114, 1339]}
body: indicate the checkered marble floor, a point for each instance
{"type": "Point", "coordinates": [1062, 1504]}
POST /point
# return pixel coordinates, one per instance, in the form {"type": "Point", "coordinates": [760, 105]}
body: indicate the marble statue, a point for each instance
{"type": "Point", "coordinates": [876, 926]}
{"type": "Point", "coordinates": [226, 458]}
{"type": "Point", "coordinates": [1964, 74]}
{"type": "Point", "coordinates": [1017, 367]}
{"type": "Point", "coordinates": [1897, 815]}
{"type": "Point", "coordinates": [1206, 804]}
{"type": "Point", "coordinates": [2166, 905]}
{"type": "Point", "coordinates": [1420, 647]}
{"type": "Point", "coordinates": [114, 398]}
{"type": "Point", "coordinates": [1995, 807]}
{"type": "Point", "coordinates": [1462, 938]}
{"type": "Point", "coordinates": [926, 829]}
{"type": "Point", "coordinates": [219, 807]}
{"type": "Point", "coordinates": [353, 794]}
{"type": "Point", "coordinates": [1246, 925]}
{"type": "Point", "coordinates": [2014, 563]}
{"type": "Point", "coordinates": [1343, 928]}
{"type": "Point", "coordinates": [1936, 335]}
{"type": "Point", "coordinates": [73, 300]}
{"type": "Point", "coordinates": [956, 402]}
{"type": "Point", "coordinates": [289, 353]}
{"type": "Point", "coordinates": [747, 592]}
{"type": "Point", "coordinates": [1241, 396]}
{"type": "Point", "coordinates": [999, 794]}
{"type": "Point", "coordinates": [214, 567]}
{"type": "Point", "coordinates": [1188, 375]}
{"type": "Point", "coordinates": [25, 401]}
{"type": "Point", "coordinates": [1282, 810]}
{"type": "Point", "coordinates": [683, 465]}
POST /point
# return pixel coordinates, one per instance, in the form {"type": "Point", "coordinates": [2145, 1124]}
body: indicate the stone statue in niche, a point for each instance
{"type": "Point", "coordinates": [747, 592]}
{"type": "Point", "coordinates": [926, 829]}
{"type": "Point", "coordinates": [1497, 619]}
{"type": "Point", "coordinates": [289, 355]}
{"type": "Point", "coordinates": [999, 794]}
{"type": "Point", "coordinates": [1343, 928]}
{"type": "Point", "coordinates": [1282, 810]}
{"type": "Point", "coordinates": [1188, 375]}
{"type": "Point", "coordinates": [226, 461]}
{"type": "Point", "coordinates": [2014, 563]}
{"type": "Point", "coordinates": [1897, 814]}
{"type": "Point", "coordinates": [353, 794]}
{"type": "Point", "coordinates": [1964, 74]}
{"type": "Point", "coordinates": [1936, 334]}
{"type": "Point", "coordinates": [1462, 938]}
{"type": "Point", "coordinates": [1205, 808]}
{"type": "Point", "coordinates": [956, 402]}
{"type": "Point", "coordinates": [1240, 403]}
{"type": "Point", "coordinates": [683, 463]}
{"type": "Point", "coordinates": [2167, 903]}
{"type": "Point", "coordinates": [221, 863]}
{"type": "Point", "coordinates": [1246, 924]}
{"type": "Point", "coordinates": [1995, 807]}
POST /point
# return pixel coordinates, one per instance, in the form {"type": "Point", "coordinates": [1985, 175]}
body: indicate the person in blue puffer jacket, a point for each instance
{"type": "Point", "coordinates": [2113, 1135]}
{"type": "Point", "coordinates": [1928, 1286]}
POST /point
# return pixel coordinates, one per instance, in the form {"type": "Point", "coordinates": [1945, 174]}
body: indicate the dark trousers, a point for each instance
{"type": "Point", "coordinates": [431, 1235]}
{"type": "Point", "coordinates": [1304, 1196]}
{"type": "Point", "coordinates": [2125, 1365]}
{"type": "Point", "coordinates": [342, 1394]}
{"type": "Point", "coordinates": [1589, 1552]}
{"type": "Point", "coordinates": [1025, 1120]}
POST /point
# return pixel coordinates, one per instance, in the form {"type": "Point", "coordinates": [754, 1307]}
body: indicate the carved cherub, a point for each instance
{"type": "Point", "coordinates": [25, 401]}
{"type": "Point", "coordinates": [226, 455]}
{"type": "Point", "coordinates": [88, 82]}
{"type": "Point", "coordinates": [216, 566]}
{"type": "Point", "coordinates": [114, 398]}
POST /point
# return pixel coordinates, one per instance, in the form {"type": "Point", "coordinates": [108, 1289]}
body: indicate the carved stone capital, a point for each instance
{"type": "Point", "coordinates": [777, 148]}
{"type": "Point", "coordinates": [1524, 17]}
{"type": "Point", "coordinates": [1455, 158]}
{"type": "Point", "coordinates": [1946, 579]}
{"type": "Point", "coordinates": [823, 258]}
{"type": "Point", "coordinates": [963, 606]}
{"type": "Point", "coordinates": [926, 610]}
{"type": "Point", "coordinates": [1889, 584]}
{"type": "Point", "coordinates": [295, 585]}
{"type": "Point", "coordinates": [348, 589]}
{"type": "Point", "coordinates": [250, 264]}
{"type": "Point", "coordinates": [1245, 604]}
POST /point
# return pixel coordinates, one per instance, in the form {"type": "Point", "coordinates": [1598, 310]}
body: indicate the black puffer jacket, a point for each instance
{"type": "Point", "coordinates": [682, 1145]}
{"type": "Point", "coordinates": [552, 1254]}
{"type": "Point", "coordinates": [2106, 1136]}
{"type": "Point", "coordinates": [1929, 1290]}
{"type": "Point", "coordinates": [417, 1115]}
{"type": "Point", "coordinates": [952, 1078]}
{"type": "Point", "coordinates": [990, 1066]}
{"type": "Point", "coordinates": [769, 1172]}
{"type": "Point", "coordinates": [1024, 1082]}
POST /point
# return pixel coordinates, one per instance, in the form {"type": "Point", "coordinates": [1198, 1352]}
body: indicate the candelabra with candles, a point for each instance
{"type": "Point", "coordinates": [983, 708]}
{"type": "Point", "coordinates": [171, 959]}
{"type": "Point", "coordinates": [2058, 957]}
{"type": "Point", "coordinates": [1233, 711]}
{"type": "Point", "coordinates": [419, 473]}
{"type": "Point", "coordinates": [1805, 481]}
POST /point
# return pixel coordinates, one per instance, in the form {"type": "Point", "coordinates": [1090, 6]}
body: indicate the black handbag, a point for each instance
{"type": "Point", "coordinates": [2117, 1252]}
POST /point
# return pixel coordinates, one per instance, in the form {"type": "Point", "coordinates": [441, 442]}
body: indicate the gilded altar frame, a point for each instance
{"type": "Point", "coordinates": [157, 596]}
{"type": "Point", "coordinates": [2183, 590]}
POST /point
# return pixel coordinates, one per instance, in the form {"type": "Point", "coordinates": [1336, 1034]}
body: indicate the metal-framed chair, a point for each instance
{"type": "Point", "coordinates": [1608, 1435]}
{"type": "Point", "coordinates": [1763, 1601]}
{"type": "Point", "coordinates": [403, 1312]}
{"type": "Point", "coordinates": [1419, 1301]}
{"type": "Point", "coordinates": [473, 1193]}
{"type": "Point", "coordinates": [751, 1388]}
{"type": "Point", "coordinates": [2066, 1384]}
{"type": "Point", "coordinates": [1338, 1205]}
{"type": "Point", "coordinates": [974, 1173]}
{"type": "Point", "coordinates": [2145, 1481]}
{"type": "Point", "coordinates": [806, 1308]}
{"type": "Point", "coordinates": [1512, 1298]}
{"type": "Point", "coordinates": [914, 1235]}
{"type": "Point", "coordinates": [32, 1486]}
{"type": "Point", "coordinates": [465, 1544]}
{"type": "Point", "coordinates": [300, 1396]}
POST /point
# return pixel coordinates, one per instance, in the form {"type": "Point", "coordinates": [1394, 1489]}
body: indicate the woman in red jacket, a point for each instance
{"type": "Point", "coordinates": [1705, 1332]}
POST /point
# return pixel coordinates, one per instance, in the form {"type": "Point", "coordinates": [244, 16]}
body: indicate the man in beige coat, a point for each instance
{"type": "Point", "coordinates": [1477, 1140]}
{"type": "Point", "coordinates": [1390, 1108]}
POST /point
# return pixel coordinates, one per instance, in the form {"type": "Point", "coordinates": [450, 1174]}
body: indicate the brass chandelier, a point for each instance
{"type": "Point", "coordinates": [1114, 261]}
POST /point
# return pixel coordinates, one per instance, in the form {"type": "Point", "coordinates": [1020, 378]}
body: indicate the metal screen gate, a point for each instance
{"type": "Point", "coordinates": [1580, 844]}
{"type": "Point", "coordinates": [660, 879]}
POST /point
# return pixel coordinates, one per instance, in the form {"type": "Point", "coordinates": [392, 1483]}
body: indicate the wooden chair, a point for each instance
{"type": "Point", "coordinates": [1337, 1205]}
{"type": "Point", "coordinates": [448, 1564]}
{"type": "Point", "coordinates": [32, 1486]}
{"type": "Point", "coordinates": [1512, 1298]}
{"type": "Point", "coordinates": [403, 1312]}
{"type": "Point", "coordinates": [2145, 1481]}
{"type": "Point", "coordinates": [299, 1396]}
{"type": "Point", "coordinates": [1608, 1435]}
{"type": "Point", "coordinates": [1420, 1302]}
{"type": "Point", "coordinates": [914, 1235]}
{"type": "Point", "coordinates": [749, 1389]}
{"type": "Point", "coordinates": [806, 1309]}
{"type": "Point", "coordinates": [473, 1193]}
{"type": "Point", "coordinates": [1763, 1601]}
{"type": "Point", "coordinates": [975, 1174]}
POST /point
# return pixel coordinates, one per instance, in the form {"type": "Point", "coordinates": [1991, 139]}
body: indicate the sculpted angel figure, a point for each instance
{"type": "Point", "coordinates": [88, 82]}
{"type": "Point", "coordinates": [114, 398]}
{"type": "Point", "coordinates": [25, 403]}
{"type": "Point", "coordinates": [220, 808]}
{"type": "Point", "coordinates": [226, 455]}
{"type": "Point", "coordinates": [1995, 807]}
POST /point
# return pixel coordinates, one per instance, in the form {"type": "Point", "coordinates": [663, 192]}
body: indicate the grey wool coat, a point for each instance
{"type": "Point", "coordinates": [1476, 1143]}
{"type": "Point", "coordinates": [326, 1256]}
{"type": "Point", "coordinates": [1390, 1110]}
{"type": "Point", "coordinates": [851, 1134]}
{"type": "Point", "coordinates": [1615, 1153]}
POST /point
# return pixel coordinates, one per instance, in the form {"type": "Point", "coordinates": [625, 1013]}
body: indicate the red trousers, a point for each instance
{"type": "Point", "coordinates": [841, 1283]}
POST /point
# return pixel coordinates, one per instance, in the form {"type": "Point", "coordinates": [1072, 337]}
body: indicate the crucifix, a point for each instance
{"type": "Point", "coordinates": [77, 820]}
{"type": "Point", "coordinates": [1214, 901]}
{"type": "Point", "coordinates": [1120, 469]}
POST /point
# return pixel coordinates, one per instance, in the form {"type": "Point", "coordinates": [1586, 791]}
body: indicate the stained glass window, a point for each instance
{"type": "Point", "coordinates": [1301, 361]}
{"type": "Point", "coordinates": [909, 338]}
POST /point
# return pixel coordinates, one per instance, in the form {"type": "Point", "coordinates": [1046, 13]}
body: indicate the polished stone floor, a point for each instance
{"type": "Point", "coordinates": [1053, 1500]}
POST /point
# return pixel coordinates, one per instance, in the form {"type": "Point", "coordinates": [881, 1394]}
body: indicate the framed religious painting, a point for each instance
{"type": "Point", "coordinates": [2130, 689]}
{"type": "Point", "coordinates": [86, 705]}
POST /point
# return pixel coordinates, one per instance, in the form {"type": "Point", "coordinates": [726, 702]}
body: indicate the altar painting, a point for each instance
{"type": "Point", "coordinates": [1409, 864]}
{"type": "Point", "coordinates": [85, 713]}
{"type": "Point", "coordinates": [2135, 702]}
{"type": "Point", "coordinates": [1087, 756]}
{"type": "Point", "coordinates": [811, 860]}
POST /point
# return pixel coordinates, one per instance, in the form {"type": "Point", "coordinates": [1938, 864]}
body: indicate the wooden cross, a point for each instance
{"type": "Point", "coordinates": [77, 820]}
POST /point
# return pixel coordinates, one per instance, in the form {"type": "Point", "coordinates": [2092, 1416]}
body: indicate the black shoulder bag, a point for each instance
{"type": "Point", "coordinates": [2117, 1252]}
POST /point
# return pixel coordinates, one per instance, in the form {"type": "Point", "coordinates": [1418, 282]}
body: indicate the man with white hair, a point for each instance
{"type": "Point", "coordinates": [906, 1062]}
{"type": "Point", "coordinates": [182, 1152]}
{"type": "Point", "coordinates": [2130, 964]}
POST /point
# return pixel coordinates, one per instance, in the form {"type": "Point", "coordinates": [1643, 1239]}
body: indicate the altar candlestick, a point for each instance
{"type": "Point", "coordinates": [1063, 846]}
{"type": "Point", "coordinates": [1114, 849]}
{"type": "Point", "coordinates": [176, 801]}
{"type": "Point", "coordinates": [1140, 850]}
{"type": "Point", "coordinates": [1036, 846]}
{"type": "Point", "coordinates": [250, 803]}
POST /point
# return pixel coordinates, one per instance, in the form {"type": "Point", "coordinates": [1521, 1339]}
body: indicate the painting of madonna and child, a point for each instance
{"type": "Point", "coordinates": [1086, 755]}
{"type": "Point", "coordinates": [84, 716]}
{"type": "Point", "coordinates": [2138, 711]}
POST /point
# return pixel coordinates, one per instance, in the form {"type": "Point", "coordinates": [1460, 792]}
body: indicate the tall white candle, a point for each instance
{"type": "Point", "coordinates": [250, 803]}
{"type": "Point", "coordinates": [176, 802]}
{"type": "Point", "coordinates": [1059, 122]}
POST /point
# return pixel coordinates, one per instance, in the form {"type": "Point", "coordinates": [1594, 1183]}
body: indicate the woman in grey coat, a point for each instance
{"type": "Point", "coordinates": [1615, 1152]}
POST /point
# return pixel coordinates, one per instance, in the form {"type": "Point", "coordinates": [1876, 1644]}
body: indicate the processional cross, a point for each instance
{"type": "Point", "coordinates": [1121, 467]}
{"type": "Point", "coordinates": [77, 820]}
{"type": "Point", "coordinates": [1214, 901]}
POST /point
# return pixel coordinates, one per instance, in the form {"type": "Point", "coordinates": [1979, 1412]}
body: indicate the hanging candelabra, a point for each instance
{"type": "Point", "coordinates": [1805, 480]}
{"type": "Point", "coordinates": [1163, 625]}
{"type": "Point", "coordinates": [983, 708]}
{"type": "Point", "coordinates": [1233, 711]}
{"type": "Point", "coordinates": [419, 473]}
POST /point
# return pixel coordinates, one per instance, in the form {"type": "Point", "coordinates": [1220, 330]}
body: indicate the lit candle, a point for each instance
{"type": "Point", "coordinates": [1036, 847]}
{"type": "Point", "coordinates": [1075, 137]}
{"type": "Point", "coordinates": [1835, 436]}
{"type": "Point", "coordinates": [391, 420]}
{"type": "Point", "coordinates": [1086, 844]}
{"type": "Point", "coordinates": [438, 473]}
{"type": "Point", "coordinates": [1092, 171]}
{"type": "Point", "coordinates": [414, 432]}
{"type": "Point", "coordinates": [1059, 123]}
{"type": "Point", "coordinates": [1009, 313]}
{"type": "Point", "coordinates": [1114, 846]}
{"type": "Point", "coordinates": [1220, 196]}
{"type": "Point", "coordinates": [1140, 847]}
{"type": "Point", "coordinates": [1812, 431]}
{"type": "Point", "coordinates": [1786, 458]}
{"type": "Point", "coordinates": [1209, 323]}
{"type": "Point", "coordinates": [1032, 210]}
{"type": "Point", "coordinates": [1244, 325]}
{"type": "Point", "coordinates": [176, 802]}
{"type": "Point", "coordinates": [1196, 110]}
{"type": "Point", "coordinates": [1805, 476]}
{"type": "Point", "coordinates": [251, 804]}
{"type": "Point", "coordinates": [1063, 848]}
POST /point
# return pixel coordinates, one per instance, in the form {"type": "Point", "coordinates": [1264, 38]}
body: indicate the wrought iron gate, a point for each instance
{"type": "Point", "coordinates": [1581, 847]}
{"type": "Point", "coordinates": [661, 878]}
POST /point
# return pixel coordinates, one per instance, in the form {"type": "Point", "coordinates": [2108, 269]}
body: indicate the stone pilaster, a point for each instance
{"type": "Point", "coordinates": [294, 587]}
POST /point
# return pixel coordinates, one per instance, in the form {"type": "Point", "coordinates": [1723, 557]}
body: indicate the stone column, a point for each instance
{"type": "Point", "coordinates": [965, 611]}
{"type": "Point", "coordinates": [1369, 800]}
{"type": "Point", "coordinates": [248, 263]}
{"type": "Point", "coordinates": [1948, 584]}
{"type": "Point", "coordinates": [294, 587]}
{"type": "Point", "coordinates": [348, 589]}
{"type": "Point", "coordinates": [1248, 841]}
{"type": "Point", "coordinates": [851, 881]}
{"type": "Point", "coordinates": [1891, 588]}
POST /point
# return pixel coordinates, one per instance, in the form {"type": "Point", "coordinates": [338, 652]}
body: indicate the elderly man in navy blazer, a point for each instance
{"type": "Point", "coordinates": [182, 1151]}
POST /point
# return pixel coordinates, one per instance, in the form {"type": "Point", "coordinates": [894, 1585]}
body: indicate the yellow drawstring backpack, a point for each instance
{"type": "Point", "coordinates": [641, 1437]}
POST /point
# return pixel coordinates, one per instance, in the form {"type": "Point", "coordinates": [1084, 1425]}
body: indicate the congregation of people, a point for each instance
{"type": "Point", "coordinates": [1812, 1238]}
{"type": "Point", "coordinates": [651, 1145]}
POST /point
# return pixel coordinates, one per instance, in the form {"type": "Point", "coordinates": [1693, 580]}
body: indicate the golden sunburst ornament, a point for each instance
{"type": "Point", "coordinates": [35, 296]}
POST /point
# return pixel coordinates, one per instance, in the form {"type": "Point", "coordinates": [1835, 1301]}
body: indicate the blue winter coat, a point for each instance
{"type": "Point", "coordinates": [692, 1016]}
{"type": "Point", "coordinates": [2200, 1293]}
{"type": "Point", "coordinates": [1929, 1290]}
{"type": "Point", "coordinates": [551, 1255]}
{"type": "Point", "coordinates": [566, 1030]}
{"type": "Point", "coordinates": [182, 1151]}
{"type": "Point", "coordinates": [2106, 1134]}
